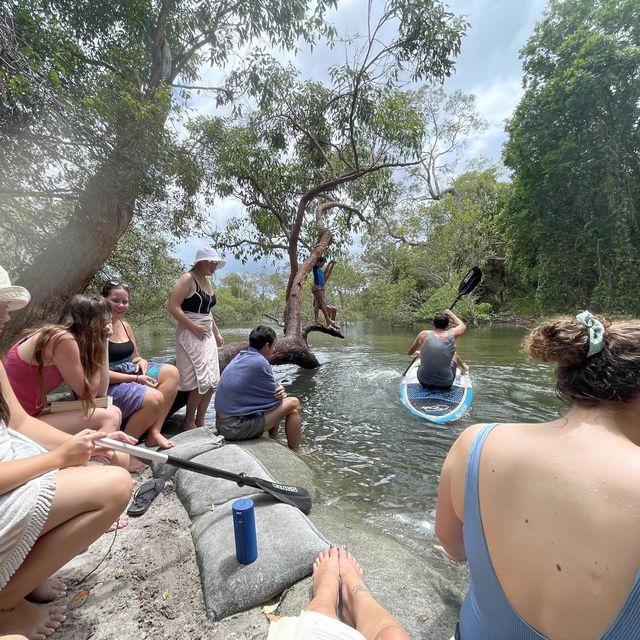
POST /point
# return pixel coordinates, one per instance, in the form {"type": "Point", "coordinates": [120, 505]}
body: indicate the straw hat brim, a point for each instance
{"type": "Point", "coordinates": [14, 297]}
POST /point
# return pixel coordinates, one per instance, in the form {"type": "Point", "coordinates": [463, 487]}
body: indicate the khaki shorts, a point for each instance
{"type": "Point", "coordinates": [241, 427]}
{"type": "Point", "coordinates": [318, 294]}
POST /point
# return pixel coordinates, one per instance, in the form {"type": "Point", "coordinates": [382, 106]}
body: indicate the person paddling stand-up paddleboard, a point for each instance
{"type": "Point", "coordinates": [436, 386]}
{"type": "Point", "coordinates": [437, 351]}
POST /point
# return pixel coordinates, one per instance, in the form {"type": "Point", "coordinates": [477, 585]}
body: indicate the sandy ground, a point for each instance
{"type": "Point", "coordinates": [148, 585]}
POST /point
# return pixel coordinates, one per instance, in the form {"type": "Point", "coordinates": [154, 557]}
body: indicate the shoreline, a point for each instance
{"type": "Point", "coordinates": [148, 585]}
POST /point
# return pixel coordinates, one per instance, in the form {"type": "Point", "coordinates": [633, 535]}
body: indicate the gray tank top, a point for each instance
{"type": "Point", "coordinates": [435, 361]}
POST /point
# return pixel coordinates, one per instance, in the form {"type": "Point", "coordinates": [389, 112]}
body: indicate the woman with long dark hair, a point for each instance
{"type": "Point", "coordinates": [548, 514]}
{"type": "Point", "coordinates": [52, 504]}
{"type": "Point", "coordinates": [72, 351]}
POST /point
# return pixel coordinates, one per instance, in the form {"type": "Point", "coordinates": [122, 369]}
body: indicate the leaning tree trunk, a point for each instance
{"type": "Point", "coordinates": [69, 261]}
{"type": "Point", "coordinates": [293, 348]}
{"type": "Point", "coordinates": [103, 213]}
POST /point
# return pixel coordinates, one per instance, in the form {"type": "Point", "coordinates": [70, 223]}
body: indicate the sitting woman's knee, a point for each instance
{"type": "Point", "coordinates": [110, 419]}
{"type": "Point", "coordinates": [119, 485]}
{"type": "Point", "coordinates": [153, 398]}
{"type": "Point", "coordinates": [170, 374]}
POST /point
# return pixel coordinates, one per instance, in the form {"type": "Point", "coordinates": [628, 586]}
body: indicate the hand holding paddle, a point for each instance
{"type": "Point", "coordinates": [468, 284]}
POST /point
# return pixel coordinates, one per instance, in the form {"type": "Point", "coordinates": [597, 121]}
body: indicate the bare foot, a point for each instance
{"type": "Point", "coordinates": [158, 440]}
{"type": "Point", "coordinates": [31, 620]}
{"type": "Point", "coordinates": [352, 576]}
{"type": "Point", "coordinates": [326, 581]}
{"type": "Point", "coordinates": [137, 466]}
{"type": "Point", "coordinates": [49, 591]}
{"type": "Point", "coordinates": [188, 426]}
{"type": "Point", "coordinates": [120, 523]}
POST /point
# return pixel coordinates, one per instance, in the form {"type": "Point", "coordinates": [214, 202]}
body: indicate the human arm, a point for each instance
{"type": "Point", "coordinates": [216, 332]}
{"type": "Point", "coordinates": [103, 381]}
{"type": "Point", "coordinates": [65, 356]}
{"type": "Point", "coordinates": [329, 270]}
{"type": "Point", "coordinates": [182, 289]}
{"type": "Point", "coordinates": [63, 450]}
{"type": "Point", "coordinates": [450, 508]}
{"type": "Point", "coordinates": [414, 349]}
{"type": "Point", "coordinates": [280, 392]}
{"type": "Point", "coordinates": [136, 358]}
{"type": "Point", "coordinates": [117, 377]}
{"type": "Point", "coordinates": [459, 327]}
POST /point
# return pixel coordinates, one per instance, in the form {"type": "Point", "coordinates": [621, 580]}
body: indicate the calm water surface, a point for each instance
{"type": "Point", "coordinates": [375, 460]}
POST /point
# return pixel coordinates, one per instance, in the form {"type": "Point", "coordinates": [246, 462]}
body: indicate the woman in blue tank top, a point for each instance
{"type": "Point", "coordinates": [548, 515]}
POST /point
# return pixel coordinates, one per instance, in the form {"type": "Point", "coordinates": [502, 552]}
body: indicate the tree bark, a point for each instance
{"type": "Point", "coordinates": [104, 211]}
{"type": "Point", "coordinates": [72, 257]}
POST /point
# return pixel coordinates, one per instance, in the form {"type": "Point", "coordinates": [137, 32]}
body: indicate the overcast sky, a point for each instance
{"type": "Point", "coordinates": [488, 67]}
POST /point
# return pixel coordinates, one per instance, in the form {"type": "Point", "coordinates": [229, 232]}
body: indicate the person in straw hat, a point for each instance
{"type": "Point", "coordinates": [53, 505]}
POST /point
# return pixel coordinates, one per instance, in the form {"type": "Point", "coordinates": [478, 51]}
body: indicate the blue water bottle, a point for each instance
{"type": "Point", "coordinates": [244, 530]}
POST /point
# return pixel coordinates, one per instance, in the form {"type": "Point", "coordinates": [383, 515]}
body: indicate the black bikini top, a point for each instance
{"type": "Point", "coordinates": [200, 301]}
{"type": "Point", "coordinates": [121, 350]}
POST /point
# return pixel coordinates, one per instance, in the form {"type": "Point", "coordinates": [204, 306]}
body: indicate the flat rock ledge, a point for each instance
{"type": "Point", "coordinates": [404, 582]}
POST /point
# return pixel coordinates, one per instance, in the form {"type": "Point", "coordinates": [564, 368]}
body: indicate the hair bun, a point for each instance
{"type": "Point", "coordinates": [561, 340]}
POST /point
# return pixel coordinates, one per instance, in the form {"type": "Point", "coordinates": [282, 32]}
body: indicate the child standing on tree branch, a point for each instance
{"type": "Point", "coordinates": [320, 277]}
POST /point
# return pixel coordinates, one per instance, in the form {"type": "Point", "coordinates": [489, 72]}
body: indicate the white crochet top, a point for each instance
{"type": "Point", "coordinates": [24, 510]}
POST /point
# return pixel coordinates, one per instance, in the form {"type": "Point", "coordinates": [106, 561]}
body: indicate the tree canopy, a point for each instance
{"type": "Point", "coordinates": [88, 89]}
{"type": "Point", "coordinates": [571, 224]}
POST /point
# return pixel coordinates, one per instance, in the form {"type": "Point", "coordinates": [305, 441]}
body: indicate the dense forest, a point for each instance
{"type": "Point", "coordinates": [104, 167]}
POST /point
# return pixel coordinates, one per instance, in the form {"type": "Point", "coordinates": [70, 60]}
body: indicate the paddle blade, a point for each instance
{"type": "Point", "coordinates": [295, 496]}
{"type": "Point", "coordinates": [289, 494]}
{"type": "Point", "coordinates": [470, 281]}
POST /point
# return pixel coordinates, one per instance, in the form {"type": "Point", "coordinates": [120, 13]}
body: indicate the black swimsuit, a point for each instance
{"type": "Point", "coordinates": [119, 351]}
{"type": "Point", "coordinates": [200, 301]}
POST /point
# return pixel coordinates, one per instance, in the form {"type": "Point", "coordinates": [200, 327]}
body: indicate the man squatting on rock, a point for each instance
{"type": "Point", "coordinates": [249, 401]}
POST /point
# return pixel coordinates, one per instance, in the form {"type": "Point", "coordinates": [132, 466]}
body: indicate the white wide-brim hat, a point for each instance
{"type": "Point", "coordinates": [13, 296]}
{"type": "Point", "coordinates": [210, 255]}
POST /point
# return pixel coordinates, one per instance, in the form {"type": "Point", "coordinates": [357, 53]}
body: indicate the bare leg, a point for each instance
{"type": "Point", "coordinates": [168, 380]}
{"type": "Point", "coordinates": [326, 577]}
{"type": "Point", "coordinates": [203, 405]}
{"type": "Point", "coordinates": [360, 608]}
{"type": "Point", "coordinates": [86, 501]}
{"type": "Point", "coordinates": [289, 409]}
{"type": "Point", "coordinates": [48, 591]}
{"type": "Point", "coordinates": [72, 422]}
{"type": "Point", "coordinates": [140, 421]}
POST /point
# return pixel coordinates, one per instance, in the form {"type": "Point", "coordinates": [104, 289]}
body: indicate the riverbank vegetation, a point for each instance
{"type": "Point", "coordinates": [104, 169]}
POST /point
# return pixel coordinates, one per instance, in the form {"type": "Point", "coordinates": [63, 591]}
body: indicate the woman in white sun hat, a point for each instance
{"type": "Point", "coordinates": [197, 335]}
{"type": "Point", "coordinates": [52, 504]}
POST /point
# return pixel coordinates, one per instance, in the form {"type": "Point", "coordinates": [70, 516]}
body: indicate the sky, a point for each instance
{"type": "Point", "coordinates": [488, 67]}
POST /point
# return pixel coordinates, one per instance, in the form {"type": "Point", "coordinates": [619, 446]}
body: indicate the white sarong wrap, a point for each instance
{"type": "Point", "coordinates": [23, 510]}
{"type": "Point", "coordinates": [311, 625]}
{"type": "Point", "coordinates": [197, 360]}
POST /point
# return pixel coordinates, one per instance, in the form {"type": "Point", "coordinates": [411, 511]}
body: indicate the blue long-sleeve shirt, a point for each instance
{"type": "Point", "coordinates": [247, 385]}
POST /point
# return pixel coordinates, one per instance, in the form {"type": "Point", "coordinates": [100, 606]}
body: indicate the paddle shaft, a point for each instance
{"type": "Point", "coordinates": [290, 494]}
{"type": "Point", "coordinates": [468, 284]}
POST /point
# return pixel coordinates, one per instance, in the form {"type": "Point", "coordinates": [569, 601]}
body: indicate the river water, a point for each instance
{"type": "Point", "coordinates": [374, 460]}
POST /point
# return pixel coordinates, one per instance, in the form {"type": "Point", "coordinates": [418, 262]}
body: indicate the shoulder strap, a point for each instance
{"type": "Point", "coordinates": [124, 326]}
